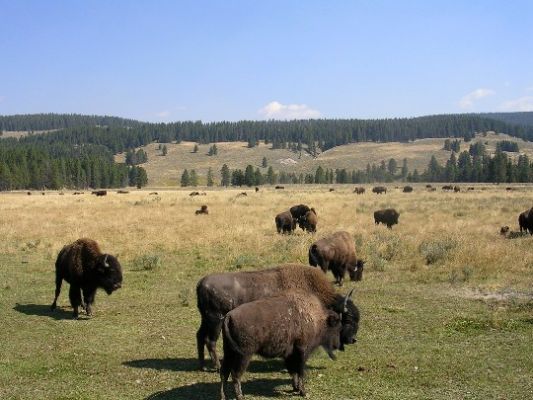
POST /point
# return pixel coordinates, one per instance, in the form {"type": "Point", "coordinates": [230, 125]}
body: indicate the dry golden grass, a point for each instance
{"type": "Point", "coordinates": [463, 321]}
{"type": "Point", "coordinates": [167, 170]}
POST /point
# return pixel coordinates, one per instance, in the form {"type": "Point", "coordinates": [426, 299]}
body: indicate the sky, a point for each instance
{"type": "Point", "coordinates": [230, 60]}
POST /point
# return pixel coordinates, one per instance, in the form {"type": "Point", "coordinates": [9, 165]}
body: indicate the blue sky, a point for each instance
{"type": "Point", "coordinates": [232, 60]}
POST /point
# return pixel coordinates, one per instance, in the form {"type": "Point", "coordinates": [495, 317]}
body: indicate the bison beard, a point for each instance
{"type": "Point", "coordinates": [217, 294]}
{"type": "Point", "coordinates": [291, 326]}
{"type": "Point", "coordinates": [86, 268]}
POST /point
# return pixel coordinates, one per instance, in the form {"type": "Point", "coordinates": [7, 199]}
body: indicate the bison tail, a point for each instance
{"type": "Point", "coordinates": [228, 340]}
{"type": "Point", "coordinates": [314, 256]}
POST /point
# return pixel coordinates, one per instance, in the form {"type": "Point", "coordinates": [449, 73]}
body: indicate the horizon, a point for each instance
{"type": "Point", "coordinates": [235, 61]}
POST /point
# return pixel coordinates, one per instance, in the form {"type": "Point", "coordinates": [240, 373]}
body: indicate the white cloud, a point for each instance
{"type": "Point", "coordinates": [163, 114]}
{"type": "Point", "coordinates": [468, 100]}
{"type": "Point", "coordinates": [524, 103]}
{"type": "Point", "coordinates": [276, 110]}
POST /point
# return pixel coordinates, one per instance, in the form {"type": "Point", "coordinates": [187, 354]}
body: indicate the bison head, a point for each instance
{"type": "Point", "coordinates": [356, 274]}
{"type": "Point", "coordinates": [109, 273]}
{"type": "Point", "coordinates": [349, 317]}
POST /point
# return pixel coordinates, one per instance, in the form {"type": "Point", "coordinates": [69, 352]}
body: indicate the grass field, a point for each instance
{"type": "Point", "coordinates": [446, 303]}
{"type": "Point", "coordinates": [167, 170]}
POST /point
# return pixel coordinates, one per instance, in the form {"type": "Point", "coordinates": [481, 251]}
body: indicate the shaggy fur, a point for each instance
{"type": "Point", "coordinates": [217, 294]}
{"type": "Point", "coordinates": [525, 221]}
{"type": "Point", "coordinates": [407, 189]}
{"type": "Point", "coordinates": [388, 216]}
{"type": "Point", "coordinates": [309, 221]}
{"type": "Point", "coordinates": [291, 326]}
{"type": "Point", "coordinates": [285, 223]}
{"type": "Point", "coordinates": [336, 252]}
{"type": "Point", "coordinates": [86, 268]}
{"type": "Point", "coordinates": [298, 212]}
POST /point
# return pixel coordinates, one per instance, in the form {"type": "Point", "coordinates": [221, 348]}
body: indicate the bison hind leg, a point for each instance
{"type": "Point", "coordinates": [75, 299]}
{"type": "Point", "coordinates": [59, 281]}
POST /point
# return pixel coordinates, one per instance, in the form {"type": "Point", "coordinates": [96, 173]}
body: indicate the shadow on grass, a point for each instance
{"type": "Point", "coordinates": [43, 310]}
{"type": "Point", "coordinates": [264, 388]}
{"type": "Point", "coordinates": [191, 364]}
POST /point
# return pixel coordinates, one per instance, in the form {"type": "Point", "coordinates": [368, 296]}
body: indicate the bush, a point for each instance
{"type": "Point", "coordinates": [147, 262]}
{"type": "Point", "coordinates": [437, 250]}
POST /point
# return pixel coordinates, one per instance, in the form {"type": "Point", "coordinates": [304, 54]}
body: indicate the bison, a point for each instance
{"type": "Point", "coordinates": [242, 194]}
{"type": "Point", "coordinates": [525, 221]}
{"type": "Point", "coordinates": [285, 223]}
{"type": "Point", "coordinates": [217, 294]}
{"type": "Point", "coordinates": [336, 252]}
{"type": "Point", "coordinates": [331, 189]}
{"type": "Point", "coordinates": [291, 326]}
{"type": "Point", "coordinates": [86, 268]}
{"type": "Point", "coordinates": [122, 191]}
{"type": "Point", "coordinates": [309, 221]}
{"type": "Point", "coordinates": [256, 189]}
{"type": "Point", "coordinates": [359, 190]}
{"type": "Point", "coordinates": [299, 211]}
{"type": "Point", "coordinates": [388, 216]}
{"type": "Point", "coordinates": [447, 188]}
{"type": "Point", "coordinates": [280, 187]}
{"type": "Point", "coordinates": [407, 189]}
{"type": "Point", "coordinates": [99, 193]}
{"type": "Point", "coordinates": [202, 210]}
{"type": "Point", "coordinates": [456, 189]}
{"type": "Point", "coordinates": [379, 189]}
{"type": "Point", "coordinates": [194, 194]}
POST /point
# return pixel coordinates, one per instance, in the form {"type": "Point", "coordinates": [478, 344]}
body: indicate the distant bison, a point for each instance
{"type": "Point", "coordinates": [290, 326]}
{"type": "Point", "coordinates": [336, 252]}
{"type": "Point", "coordinates": [285, 223]}
{"type": "Point", "coordinates": [331, 189]}
{"type": "Point", "coordinates": [379, 189]}
{"type": "Point", "coordinates": [456, 189]}
{"type": "Point", "coordinates": [525, 221]}
{"type": "Point", "coordinates": [202, 210]}
{"type": "Point", "coordinates": [428, 186]}
{"type": "Point", "coordinates": [28, 193]}
{"type": "Point", "coordinates": [279, 187]}
{"type": "Point", "coordinates": [359, 190]}
{"type": "Point", "coordinates": [99, 193]}
{"type": "Point", "coordinates": [86, 268]}
{"type": "Point", "coordinates": [388, 216]}
{"type": "Point", "coordinates": [122, 192]}
{"type": "Point", "coordinates": [470, 188]}
{"type": "Point", "coordinates": [77, 193]}
{"type": "Point", "coordinates": [432, 189]}
{"type": "Point", "coordinates": [256, 189]}
{"type": "Point", "coordinates": [153, 194]}
{"type": "Point", "coordinates": [447, 188]}
{"type": "Point", "coordinates": [407, 189]}
{"type": "Point", "coordinates": [220, 293]}
{"type": "Point", "coordinates": [194, 194]}
{"type": "Point", "coordinates": [309, 221]}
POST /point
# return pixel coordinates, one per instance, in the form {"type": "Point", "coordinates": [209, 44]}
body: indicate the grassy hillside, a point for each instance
{"type": "Point", "coordinates": [167, 170]}
{"type": "Point", "coordinates": [456, 328]}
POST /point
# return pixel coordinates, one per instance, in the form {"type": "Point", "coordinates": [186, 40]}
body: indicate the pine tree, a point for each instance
{"type": "Point", "coordinates": [225, 176]}
{"type": "Point", "coordinates": [271, 176]}
{"type": "Point", "coordinates": [405, 170]}
{"type": "Point", "coordinates": [185, 180]}
{"type": "Point", "coordinates": [249, 176]}
{"type": "Point", "coordinates": [210, 180]}
{"type": "Point", "coordinates": [193, 178]}
{"type": "Point", "coordinates": [264, 163]}
{"type": "Point", "coordinates": [392, 166]}
{"type": "Point", "coordinates": [320, 177]}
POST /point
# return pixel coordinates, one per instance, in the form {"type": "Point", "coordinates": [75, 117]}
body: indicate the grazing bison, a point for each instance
{"type": "Point", "coordinates": [525, 221]}
{"type": "Point", "coordinates": [388, 216]}
{"type": "Point", "coordinates": [379, 189]}
{"type": "Point", "coordinates": [122, 191]}
{"type": "Point", "coordinates": [202, 210]}
{"type": "Point", "coordinates": [359, 190]}
{"type": "Point", "coordinates": [336, 252]}
{"type": "Point", "coordinates": [299, 211]}
{"type": "Point", "coordinates": [153, 194]}
{"type": "Point", "coordinates": [86, 268]}
{"type": "Point", "coordinates": [99, 193]}
{"type": "Point", "coordinates": [456, 189]}
{"type": "Point", "coordinates": [28, 193]}
{"type": "Point", "coordinates": [470, 188]}
{"type": "Point", "coordinates": [331, 189]}
{"type": "Point", "coordinates": [285, 223]}
{"type": "Point", "coordinates": [194, 194]}
{"type": "Point", "coordinates": [279, 187]}
{"type": "Point", "coordinates": [447, 188]}
{"type": "Point", "coordinates": [309, 221]}
{"type": "Point", "coordinates": [428, 186]}
{"type": "Point", "coordinates": [217, 294]}
{"type": "Point", "coordinates": [407, 189]}
{"type": "Point", "coordinates": [77, 193]}
{"type": "Point", "coordinates": [290, 326]}
{"type": "Point", "coordinates": [256, 189]}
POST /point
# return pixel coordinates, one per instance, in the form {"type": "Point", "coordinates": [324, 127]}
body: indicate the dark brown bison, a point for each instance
{"type": "Point", "coordinates": [122, 191]}
{"type": "Point", "coordinates": [86, 268]}
{"type": "Point", "coordinates": [388, 216]}
{"type": "Point", "coordinates": [309, 221]}
{"type": "Point", "coordinates": [331, 189]}
{"type": "Point", "coordinates": [298, 212]}
{"type": "Point", "coordinates": [202, 210]}
{"type": "Point", "coordinates": [336, 252]}
{"type": "Point", "coordinates": [77, 193]}
{"type": "Point", "coordinates": [456, 189]}
{"type": "Point", "coordinates": [525, 221]}
{"type": "Point", "coordinates": [217, 294]}
{"type": "Point", "coordinates": [407, 189]}
{"type": "Point", "coordinates": [28, 193]}
{"type": "Point", "coordinates": [285, 223]}
{"type": "Point", "coordinates": [99, 193]}
{"type": "Point", "coordinates": [379, 189]}
{"type": "Point", "coordinates": [256, 189]}
{"type": "Point", "coordinates": [428, 186]}
{"type": "Point", "coordinates": [290, 326]}
{"type": "Point", "coordinates": [432, 189]}
{"type": "Point", "coordinates": [359, 190]}
{"type": "Point", "coordinates": [447, 188]}
{"type": "Point", "coordinates": [153, 194]}
{"type": "Point", "coordinates": [280, 187]}
{"type": "Point", "coordinates": [194, 194]}
{"type": "Point", "coordinates": [470, 188]}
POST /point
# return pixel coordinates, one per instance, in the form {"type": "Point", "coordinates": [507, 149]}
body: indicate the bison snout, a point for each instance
{"type": "Point", "coordinates": [117, 286]}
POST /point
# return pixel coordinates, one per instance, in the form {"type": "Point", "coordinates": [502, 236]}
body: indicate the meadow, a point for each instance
{"type": "Point", "coordinates": [446, 302]}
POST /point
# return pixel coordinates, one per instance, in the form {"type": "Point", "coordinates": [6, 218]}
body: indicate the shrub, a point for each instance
{"type": "Point", "coordinates": [147, 262]}
{"type": "Point", "coordinates": [437, 250]}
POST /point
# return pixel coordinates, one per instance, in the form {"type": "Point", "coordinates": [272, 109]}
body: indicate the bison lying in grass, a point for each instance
{"type": "Point", "coordinates": [336, 252]}
{"type": "Point", "coordinates": [291, 326]}
{"type": "Point", "coordinates": [217, 294]}
{"type": "Point", "coordinates": [86, 268]}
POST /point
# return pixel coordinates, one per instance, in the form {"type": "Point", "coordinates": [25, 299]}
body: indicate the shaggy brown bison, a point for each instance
{"type": "Point", "coordinates": [525, 221]}
{"type": "Point", "coordinates": [359, 190]}
{"type": "Point", "coordinates": [299, 211]}
{"type": "Point", "coordinates": [285, 223]}
{"type": "Point", "coordinates": [153, 194]}
{"type": "Point", "coordinates": [309, 221]}
{"type": "Point", "coordinates": [256, 189]}
{"type": "Point", "coordinates": [280, 187]}
{"type": "Point", "coordinates": [86, 268]}
{"type": "Point", "coordinates": [99, 193]}
{"type": "Point", "coordinates": [202, 210]}
{"type": "Point", "coordinates": [336, 252]}
{"type": "Point", "coordinates": [388, 216]}
{"type": "Point", "coordinates": [447, 188]}
{"type": "Point", "coordinates": [379, 189]}
{"type": "Point", "coordinates": [331, 189]}
{"type": "Point", "coordinates": [217, 294]}
{"type": "Point", "coordinates": [407, 189]}
{"type": "Point", "coordinates": [194, 194]}
{"type": "Point", "coordinates": [290, 326]}
{"type": "Point", "coordinates": [456, 189]}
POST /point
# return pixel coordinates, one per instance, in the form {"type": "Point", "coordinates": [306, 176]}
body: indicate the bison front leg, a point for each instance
{"type": "Point", "coordinates": [88, 298]}
{"type": "Point", "coordinates": [74, 295]}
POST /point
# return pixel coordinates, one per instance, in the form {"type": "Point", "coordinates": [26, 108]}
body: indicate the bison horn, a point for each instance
{"type": "Point", "coordinates": [345, 309]}
{"type": "Point", "coordinates": [106, 264]}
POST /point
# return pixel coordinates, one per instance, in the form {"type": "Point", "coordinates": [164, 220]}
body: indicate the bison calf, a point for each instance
{"type": "Point", "coordinates": [291, 326]}
{"type": "Point", "coordinates": [336, 252]}
{"type": "Point", "coordinates": [86, 268]}
{"type": "Point", "coordinates": [285, 223]}
{"type": "Point", "coordinates": [202, 210]}
{"type": "Point", "coordinates": [388, 216]}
